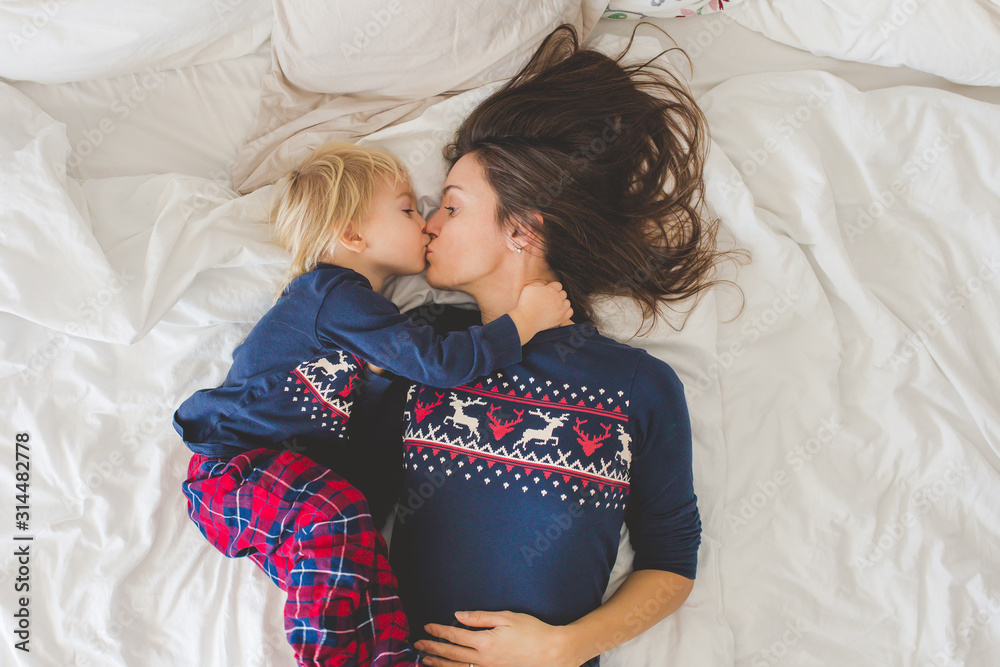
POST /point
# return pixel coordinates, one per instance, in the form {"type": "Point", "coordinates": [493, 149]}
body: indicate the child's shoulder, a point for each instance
{"type": "Point", "coordinates": [322, 279]}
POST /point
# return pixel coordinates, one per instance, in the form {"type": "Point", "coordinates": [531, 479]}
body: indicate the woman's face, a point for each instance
{"type": "Point", "coordinates": [466, 245]}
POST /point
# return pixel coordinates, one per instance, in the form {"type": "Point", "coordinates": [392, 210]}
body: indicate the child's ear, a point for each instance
{"type": "Point", "coordinates": [351, 240]}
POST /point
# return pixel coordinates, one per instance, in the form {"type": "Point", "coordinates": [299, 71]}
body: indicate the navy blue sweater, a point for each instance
{"type": "Point", "coordinates": [295, 377]}
{"type": "Point", "coordinates": [516, 484]}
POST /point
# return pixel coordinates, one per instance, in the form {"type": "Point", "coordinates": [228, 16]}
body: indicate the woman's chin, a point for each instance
{"type": "Point", "coordinates": [434, 279]}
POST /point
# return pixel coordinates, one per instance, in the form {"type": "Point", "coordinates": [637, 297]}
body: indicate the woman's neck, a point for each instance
{"type": "Point", "coordinates": [496, 303]}
{"type": "Point", "coordinates": [497, 296]}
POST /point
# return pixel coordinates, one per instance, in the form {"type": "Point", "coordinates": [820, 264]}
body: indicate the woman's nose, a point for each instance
{"type": "Point", "coordinates": [433, 226]}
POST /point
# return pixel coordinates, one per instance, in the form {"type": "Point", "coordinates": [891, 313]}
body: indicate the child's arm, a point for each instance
{"type": "Point", "coordinates": [532, 307]}
{"type": "Point", "coordinates": [359, 320]}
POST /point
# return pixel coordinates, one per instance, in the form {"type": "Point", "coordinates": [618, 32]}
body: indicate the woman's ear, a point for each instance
{"type": "Point", "coordinates": [524, 237]}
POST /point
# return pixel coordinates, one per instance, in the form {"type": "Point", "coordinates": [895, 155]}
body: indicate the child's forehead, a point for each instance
{"type": "Point", "coordinates": [401, 187]}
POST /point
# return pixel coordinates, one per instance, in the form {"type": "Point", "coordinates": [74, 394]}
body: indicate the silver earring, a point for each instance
{"type": "Point", "coordinates": [520, 249]}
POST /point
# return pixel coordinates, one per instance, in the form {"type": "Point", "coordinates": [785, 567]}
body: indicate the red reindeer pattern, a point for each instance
{"type": "Point", "coordinates": [350, 385]}
{"type": "Point", "coordinates": [590, 443]}
{"type": "Point", "coordinates": [502, 428]}
{"type": "Point", "coordinates": [533, 454]}
{"type": "Point", "coordinates": [424, 409]}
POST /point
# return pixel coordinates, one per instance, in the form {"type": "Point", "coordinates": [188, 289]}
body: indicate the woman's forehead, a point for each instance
{"type": "Point", "coordinates": [466, 177]}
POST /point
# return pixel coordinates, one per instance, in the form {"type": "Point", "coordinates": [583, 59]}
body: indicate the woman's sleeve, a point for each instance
{"type": "Point", "coordinates": [355, 318]}
{"type": "Point", "coordinates": [662, 513]}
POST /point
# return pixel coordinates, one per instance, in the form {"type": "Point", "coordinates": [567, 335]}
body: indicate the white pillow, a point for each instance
{"type": "Point", "coordinates": [956, 39]}
{"type": "Point", "coordinates": [342, 70]}
{"type": "Point", "coordinates": [56, 41]}
{"type": "Point", "coordinates": [408, 48]}
{"type": "Point", "coordinates": [627, 9]}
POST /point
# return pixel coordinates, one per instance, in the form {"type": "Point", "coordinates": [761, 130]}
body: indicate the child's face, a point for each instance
{"type": "Point", "coordinates": [394, 234]}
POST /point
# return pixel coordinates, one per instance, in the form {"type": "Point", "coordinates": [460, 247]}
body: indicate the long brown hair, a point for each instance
{"type": "Point", "coordinates": [611, 155]}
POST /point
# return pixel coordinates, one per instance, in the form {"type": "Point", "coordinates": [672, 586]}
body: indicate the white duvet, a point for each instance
{"type": "Point", "coordinates": [846, 421]}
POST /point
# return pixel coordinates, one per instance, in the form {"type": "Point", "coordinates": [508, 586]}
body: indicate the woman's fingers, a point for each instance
{"type": "Point", "coordinates": [459, 636]}
{"type": "Point", "coordinates": [483, 619]}
{"type": "Point", "coordinates": [443, 662]}
{"type": "Point", "coordinates": [460, 654]}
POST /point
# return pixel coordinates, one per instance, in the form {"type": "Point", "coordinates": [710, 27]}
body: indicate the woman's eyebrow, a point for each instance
{"type": "Point", "coordinates": [449, 187]}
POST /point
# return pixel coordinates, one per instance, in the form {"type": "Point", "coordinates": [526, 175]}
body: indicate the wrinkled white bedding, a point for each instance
{"type": "Point", "coordinates": [956, 39]}
{"type": "Point", "coordinates": [847, 435]}
{"type": "Point", "coordinates": [56, 41]}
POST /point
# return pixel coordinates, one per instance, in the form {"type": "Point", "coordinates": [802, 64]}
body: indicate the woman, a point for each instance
{"type": "Point", "coordinates": [516, 485]}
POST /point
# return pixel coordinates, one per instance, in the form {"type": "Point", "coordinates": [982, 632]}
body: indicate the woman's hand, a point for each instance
{"type": "Point", "coordinates": [514, 640]}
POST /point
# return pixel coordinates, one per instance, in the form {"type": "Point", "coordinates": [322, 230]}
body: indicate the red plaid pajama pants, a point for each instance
{"type": "Point", "coordinates": [311, 532]}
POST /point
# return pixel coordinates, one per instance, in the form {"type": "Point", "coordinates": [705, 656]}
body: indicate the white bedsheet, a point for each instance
{"type": "Point", "coordinates": [846, 426]}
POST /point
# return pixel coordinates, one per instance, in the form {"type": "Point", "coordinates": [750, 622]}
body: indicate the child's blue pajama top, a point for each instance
{"type": "Point", "coordinates": [294, 377]}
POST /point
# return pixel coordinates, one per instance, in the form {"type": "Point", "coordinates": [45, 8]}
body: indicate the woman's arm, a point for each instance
{"type": "Point", "coordinates": [644, 599]}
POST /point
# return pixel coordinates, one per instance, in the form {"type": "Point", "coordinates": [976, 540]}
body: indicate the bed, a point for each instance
{"type": "Point", "coordinates": [845, 408]}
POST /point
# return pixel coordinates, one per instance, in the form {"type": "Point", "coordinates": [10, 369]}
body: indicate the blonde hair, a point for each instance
{"type": "Point", "coordinates": [329, 194]}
